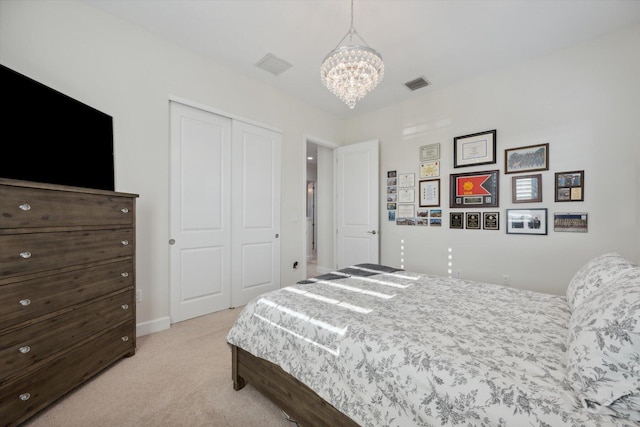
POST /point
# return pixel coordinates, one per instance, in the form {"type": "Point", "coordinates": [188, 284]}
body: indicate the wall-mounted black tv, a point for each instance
{"type": "Point", "coordinates": [52, 138]}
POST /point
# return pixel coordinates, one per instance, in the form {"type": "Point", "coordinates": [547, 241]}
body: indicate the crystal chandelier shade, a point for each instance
{"type": "Point", "coordinates": [352, 71]}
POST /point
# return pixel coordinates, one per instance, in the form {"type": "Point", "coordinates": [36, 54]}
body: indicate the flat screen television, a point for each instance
{"type": "Point", "coordinates": [52, 138]}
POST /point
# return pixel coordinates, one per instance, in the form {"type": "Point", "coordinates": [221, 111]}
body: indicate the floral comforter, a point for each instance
{"type": "Point", "coordinates": [393, 348]}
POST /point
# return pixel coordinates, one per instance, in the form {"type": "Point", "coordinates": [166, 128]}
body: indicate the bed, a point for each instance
{"type": "Point", "coordinates": [372, 345]}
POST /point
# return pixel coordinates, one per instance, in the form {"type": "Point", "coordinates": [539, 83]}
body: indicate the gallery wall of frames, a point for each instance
{"type": "Point", "coordinates": [473, 189]}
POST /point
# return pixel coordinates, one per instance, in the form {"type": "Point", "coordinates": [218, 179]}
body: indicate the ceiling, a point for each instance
{"type": "Point", "coordinates": [444, 41]}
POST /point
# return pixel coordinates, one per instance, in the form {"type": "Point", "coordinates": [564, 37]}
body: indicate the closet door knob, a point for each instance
{"type": "Point", "coordinates": [125, 338]}
{"type": "Point", "coordinates": [125, 242]}
{"type": "Point", "coordinates": [124, 210]}
{"type": "Point", "coordinates": [25, 207]}
{"type": "Point", "coordinates": [24, 349]}
{"type": "Point", "coordinates": [125, 306]}
{"type": "Point", "coordinates": [25, 302]}
{"type": "Point", "coordinates": [125, 274]}
{"type": "Point", "coordinates": [25, 255]}
{"type": "Point", "coordinates": [25, 396]}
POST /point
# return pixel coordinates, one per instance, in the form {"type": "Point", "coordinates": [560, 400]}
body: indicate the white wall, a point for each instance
{"type": "Point", "coordinates": [130, 74]}
{"type": "Point", "coordinates": [583, 101]}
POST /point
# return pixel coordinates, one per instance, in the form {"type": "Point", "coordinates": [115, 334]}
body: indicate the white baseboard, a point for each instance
{"type": "Point", "coordinates": [157, 325]}
{"type": "Point", "coordinates": [323, 270]}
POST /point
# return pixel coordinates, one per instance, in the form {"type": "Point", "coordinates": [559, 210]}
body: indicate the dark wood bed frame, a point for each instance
{"type": "Point", "coordinates": [297, 400]}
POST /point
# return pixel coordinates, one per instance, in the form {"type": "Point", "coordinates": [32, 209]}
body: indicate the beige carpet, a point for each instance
{"type": "Point", "coordinates": [178, 377]}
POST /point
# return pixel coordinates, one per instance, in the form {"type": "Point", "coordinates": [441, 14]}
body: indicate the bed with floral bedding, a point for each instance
{"type": "Point", "coordinates": [371, 345]}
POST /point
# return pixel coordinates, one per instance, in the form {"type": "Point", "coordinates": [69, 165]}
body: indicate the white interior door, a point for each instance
{"type": "Point", "coordinates": [256, 211]}
{"type": "Point", "coordinates": [357, 210]}
{"type": "Point", "coordinates": [200, 212]}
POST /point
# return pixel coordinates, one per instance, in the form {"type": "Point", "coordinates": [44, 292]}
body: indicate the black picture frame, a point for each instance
{"type": "Point", "coordinates": [526, 188]}
{"type": "Point", "coordinates": [474, 190]}
{"type": "Point", "coordinates": [491, 220]}
{"type": "Point", "coordinates": [473, 221]}
{"type": "Point", "coordinates": [475, 149]}
{"type": "Point", "coordinates": [569, 186]}
{"type": "Point", "coordinates": [527, 221]}
{"type": "Point", "coordinates": [526, 159]}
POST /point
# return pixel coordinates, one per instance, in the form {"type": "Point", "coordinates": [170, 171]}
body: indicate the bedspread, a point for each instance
{"type": "Point", "coordinates": [395, 348]}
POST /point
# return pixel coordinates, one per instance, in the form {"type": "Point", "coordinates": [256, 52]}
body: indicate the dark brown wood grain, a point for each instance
{"type": "Point", "coordinates": [67, 311]}
{"type": "Point", "coordinates": [292, 396]}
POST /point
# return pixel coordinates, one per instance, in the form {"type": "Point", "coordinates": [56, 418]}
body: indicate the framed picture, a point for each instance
{"type": "Point", "coordinates": [430, 169]}
{"type": "Point", "coordinates": [406, 211]}
{"type": "Point", "coordinates": [407, 180]}
{"type": "Point", "coordinates": [473, 190]}
{"type": "Point", "coordinates": [391, 215]}
{"type": "Point", "coordinates": [429, 190]}
{"type": "Point", "coordinates": [490, 220]}
{"type": "Point", "coordinates": [526, 159]}
{"type": "Point", "coordinates": [429, 152]}
{"type": "Point", "coordinates": [473, 220]}
{"type": "Point", "coordinates": [456, 220]}
{"type": "Point", "coordinates": [575, 222]}
{"type": "Point", "coordinates": [475, 149]}
{"type": "Point", "coordinates": [570, 186]}
{"type": "Point", "coordinates": [527, 221]}
{"type": "Point", "coordinates": [526, 188]}
{"type": "Point", "coordinates": [406, 195]}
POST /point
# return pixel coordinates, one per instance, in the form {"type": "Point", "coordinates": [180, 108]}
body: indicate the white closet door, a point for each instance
{"type": "Point", "coordinates": [200, 212]}
{"type": "Point", "coordinates": [256, 174]}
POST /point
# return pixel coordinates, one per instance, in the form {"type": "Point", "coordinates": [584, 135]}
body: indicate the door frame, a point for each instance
{"type": "Point", "coordinates": [332, 146]}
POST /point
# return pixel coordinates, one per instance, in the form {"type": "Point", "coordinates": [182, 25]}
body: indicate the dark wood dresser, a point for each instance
{"type": "Point", "coordinates": [67, 290]}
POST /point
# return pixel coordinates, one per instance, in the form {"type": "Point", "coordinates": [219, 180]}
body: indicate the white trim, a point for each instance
{"type": "Point", "coordinates": [221, 113]}
{"type": "Point", "coordinates": [152, 326]}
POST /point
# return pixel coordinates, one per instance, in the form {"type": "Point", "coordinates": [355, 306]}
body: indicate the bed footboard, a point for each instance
{"type": "Point", "coordinates": [293, 397]}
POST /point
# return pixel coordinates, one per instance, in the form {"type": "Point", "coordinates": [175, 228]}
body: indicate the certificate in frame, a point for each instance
{"type": "Point", "coordinates": [474, 149]}
{"type": "Point", "coordinates": [429, 190]}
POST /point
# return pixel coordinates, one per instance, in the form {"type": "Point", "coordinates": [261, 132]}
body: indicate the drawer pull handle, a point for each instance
{"type": "Point", "coordinates": [25, 207]}
{"type": "Point", "coordinates": [25, 349]}
{"type": "Point", "coordinates": [125, 274]}
{"type": "Point", "coordinates": [125, 306]}
{"type": "Point", "coordinates": [25, 302]}
{"type": "Point", "coordinates": [124, 210]}
{"type": "Point", "coordinates": [125, 242]}
{"type": "Point", "coordinates": [25, 396]}
{"type": "Point", "coordinates": [25, 255]}
{"type": "Point", "coordinates": [125, 338]}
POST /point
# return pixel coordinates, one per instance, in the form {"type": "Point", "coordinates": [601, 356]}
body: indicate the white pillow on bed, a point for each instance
{"type": "Point", "coordinates": [604, 348]}
{"type": "Point", "coordinates": [595, 274]}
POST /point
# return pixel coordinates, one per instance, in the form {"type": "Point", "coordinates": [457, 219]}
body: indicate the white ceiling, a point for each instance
{"type": "Point", "coordinates": [444, 41]}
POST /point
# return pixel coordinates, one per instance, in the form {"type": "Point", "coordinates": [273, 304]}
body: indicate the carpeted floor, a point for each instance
{"type": "Point", "coordinates": [178, 377]}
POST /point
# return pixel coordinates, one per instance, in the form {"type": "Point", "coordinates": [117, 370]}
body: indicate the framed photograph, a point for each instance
{"type": "Point", "coordinates": [475, 149]}
{"type": "Point", "coordinates": [422, 213]}
{"type": "Point", "coordinates": [429, 190]}
{"type": "Point", "coordinates": [430, 169]}
{"type": "Point", "coordinates": [435, 213]}
{"type": "Point", "coordinates": [422, 221]}
{"type": "Point", "coordinates": [575, 222]}
{"type": "Point", "coordinates": [407, 180]}
{"type": "Point", "coordinates": [391, 174]}
{"type": "Point", "coordinates": [456, 220]}
{"type": "Point", "coordinates": [391, 215]}
{"type": "Point", "coordinates": [473, 220]}
{"type": "Point", "coordinates": [527, 221]}
{"type": "Point", "coordinates": [392, 182]}
{"type": "Point", "coordinates": [435, 222]}
{"type": "Point", "coordinates": [429, 152]}
{"type": "Point", "coordinates": [473, 190]}
{"type": "Point", "coordinates": [526, 159]}
{"type": "Point", "coordinates": [490, 220]}
{"type": "Point", "coordinates": [391, 206]}
{"type": "Point", "coordinates": [406, 195]}
{"type": "Point", "coordinates": [526, 188]}
{"type": "Point", "coordinates": [570, 186]}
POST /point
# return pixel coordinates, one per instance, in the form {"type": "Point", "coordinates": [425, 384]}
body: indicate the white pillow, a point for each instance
{"type": "Point", "coordinates": [595, 274]}
{"type": "Point", "coordinates": [604, 347]}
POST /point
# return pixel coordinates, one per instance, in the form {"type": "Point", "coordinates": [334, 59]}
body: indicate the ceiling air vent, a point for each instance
{"type": "Point", "coordinates": [273, 64]}
{"type": "Point", "coordinates": [417, 83]}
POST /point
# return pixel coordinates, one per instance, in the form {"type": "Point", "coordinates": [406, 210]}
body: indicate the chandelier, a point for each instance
{"type": "Point", "coordinates": [352, 71]}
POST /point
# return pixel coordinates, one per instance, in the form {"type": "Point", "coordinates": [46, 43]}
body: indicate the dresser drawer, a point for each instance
{"type": "Point", "coordinates": [29, 299]}
{"type": "Point", "coordinates": [32, 344]}
{"type": "Point", "coordinates": [23, 397]}
{"type": "Point", "coordinates": [30, 253]}
{"type": "Point", "coordinates": [34, 207]}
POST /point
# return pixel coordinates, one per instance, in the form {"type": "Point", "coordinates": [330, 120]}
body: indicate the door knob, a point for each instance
{"type": "Point", "coordinates": [372, 232]}
{"type": "Point", "coordinates": [172, 242]}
